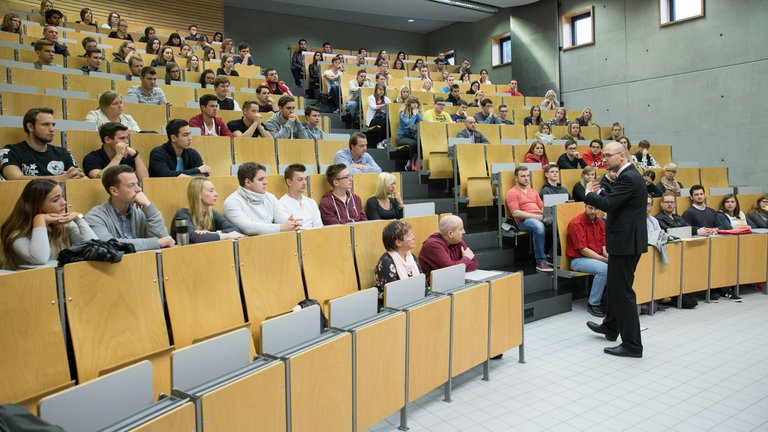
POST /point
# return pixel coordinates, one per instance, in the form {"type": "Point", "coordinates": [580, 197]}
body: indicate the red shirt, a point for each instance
{"type": "Point", "coordinates": [585, 233]}
{"type": "Point", "coordinates": [517, 93]}
{"type": "Point", "coordinates": [528, 201]}
{"type": "Point", "coordinates": [591, 160]}
{"type": "Point", "coordinates": [437, 253]}
{"type": "Point", "coordinates": [218, 124]}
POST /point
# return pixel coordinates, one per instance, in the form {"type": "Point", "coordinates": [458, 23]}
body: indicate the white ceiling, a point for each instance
{"type": "Point", "coordinates": [389, 14]}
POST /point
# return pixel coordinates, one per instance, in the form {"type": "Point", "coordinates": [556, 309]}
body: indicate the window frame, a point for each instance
{"type": "Point", "coordinates": [497, 49]}
{"type": "Point", "coordinates": [568, 27]}
{"type": "Point", "coordinates": [666, 13]}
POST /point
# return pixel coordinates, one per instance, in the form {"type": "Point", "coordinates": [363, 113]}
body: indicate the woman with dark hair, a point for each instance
{"type": "Point", "coordinates": [185, 50]}
{"type": "Point", "coordinates": [204, 222]}
{"type": "Point", "coordinates": [474, 87]}
{"type": "Point", "coordinates": [149, 33]}
{"type": "Point", "coordinates": [418, 65]}
{"type": "Point", "coordinates": [653, 190]}
{"type": "Point", "coordinates": [86, 17]}
{"type": "Point", "coordinates": [121, 32]}
{"type": "Point", "coordinates": [314, 74]}
{"type": "Point", "coordinates": [644, 158]}
{"type": "Point", "coordinates": [174, 40]}
{"type": "Point", "coordinates": [172, 72]}
{"type": "Point", "coordinates": [227, 66]}
{"type": "Point", "coordinates": [113, 19]}
{"type": "Point", "coordinates": [153, 46]}
{"type": "Point", "coordinates": [163, 57]}
{"type": "Point", "coordinates": [759, 212]}
{"type": "Point", "coordinates": [11, 23]}
{"type": "Point", "coordinates": [209, 54]}
{"type": "Point", "coordinates": [218, 37]}
{"type": "Point", "coordinates": [383, 56]}
{"type": "Point", "coordinates": [401, 56]}
{"type": "Point", "coordinates": [464, 78]}
{"type": "Point", "coordinates": [535, 117]}
{"type": "Point", "coordinates": [376, 117]}
{"type": "Point", "coordinates": [730, 214]}
{"type": "Point", "coordinates": [206, 78]}
{"type": "Point", "coordinates": [537, 154]}
{"type": "Point", "coordinates": [397, 262]}
{"type": "Point", "coordinates": [40, 226]}
{"type": "Point", "coordinates": [193, 64]}
{"type": "Point", "coordinates": [399, 65]}
{"type": "Point", "coordinates": [484, 77]}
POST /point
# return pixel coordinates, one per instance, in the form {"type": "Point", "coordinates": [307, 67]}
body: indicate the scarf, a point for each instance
{"type": "Point", "coordinates": [405, 267]}
{"type": "Point", "coordinates": [673, 185]}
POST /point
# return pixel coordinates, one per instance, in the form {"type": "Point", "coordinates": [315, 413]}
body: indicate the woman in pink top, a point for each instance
{"type": "Point", "coordinates": [537, 154]}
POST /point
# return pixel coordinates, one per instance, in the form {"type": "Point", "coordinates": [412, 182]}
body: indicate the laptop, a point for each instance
{"type": "Point", "coordinates": [680, 232]}
{"type": "Point", "coordinates": [554, 199]}
{"type": "Point", "coordinates": [405, 291]}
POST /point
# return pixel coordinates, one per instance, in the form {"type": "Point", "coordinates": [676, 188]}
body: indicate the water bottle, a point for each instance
{"type": "Point", "coordinates": [182, 231]}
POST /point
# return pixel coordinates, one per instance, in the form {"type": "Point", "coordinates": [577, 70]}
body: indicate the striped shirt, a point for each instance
{"type": "Point", "coordinates": [155, 97]}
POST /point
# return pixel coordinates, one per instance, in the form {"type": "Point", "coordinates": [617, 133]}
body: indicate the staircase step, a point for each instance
{"type": "Point", "coordinates": [482, 240]}
{"type": "Point", "coordinates": [545, 304]}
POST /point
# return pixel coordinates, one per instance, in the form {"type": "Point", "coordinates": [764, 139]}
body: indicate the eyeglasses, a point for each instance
{"type": "Point", "coordinates": [343, 178]}
{"type": "Point", "coordinates": [667, 202]}
{"type": "Point", "coordinates": [609, 155]}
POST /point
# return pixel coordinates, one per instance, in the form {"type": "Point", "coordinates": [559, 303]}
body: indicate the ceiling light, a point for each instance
{"type": "Point", "coordinates": [467, 5]}
{"type": "Point", "coordinates": [411, 20]}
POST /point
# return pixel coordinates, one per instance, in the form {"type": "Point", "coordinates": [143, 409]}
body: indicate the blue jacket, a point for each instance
{"type": "Point", "coordinates": [162, 162]}
{"type": "Point", "coordinates": [408, 127]}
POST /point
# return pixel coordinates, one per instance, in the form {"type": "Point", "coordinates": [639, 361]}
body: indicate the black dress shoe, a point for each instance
{"type": "Point", "coordinates": [598, 328]}
{"type": "Point", "coordinates": [498, 357]}
{"type": "Point", "coordinates": [620, 351]}
{"type": "Point", "coordinates": [595, 310]}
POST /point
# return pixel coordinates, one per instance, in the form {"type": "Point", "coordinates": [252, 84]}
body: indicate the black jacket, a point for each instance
{"type": "Point", "coordinates": [162, 162]}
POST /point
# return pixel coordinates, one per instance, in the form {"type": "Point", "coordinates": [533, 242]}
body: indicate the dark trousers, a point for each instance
{"type": "Point", "coordinates": [621, 308]}
{"type": "Point", "coordinates": [298, 74]}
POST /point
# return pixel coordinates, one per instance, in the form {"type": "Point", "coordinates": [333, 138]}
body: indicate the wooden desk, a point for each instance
{"type": "Point", "coordinates": [753, 256]}
{"type": "Point", "coordinates": [506, 313]}
{"type": "Point", "coordinates": [470, 328]}
{"type": "Point", "coordinates": [695, 265]}
{"type": "Point", "coordinates": [643, 285]}
{"type": "Point", "coordinates": [666, 278]}
{"type": "Point", "coordinates": [723, 261]}
{"type": "Point", "coordinates": [428, 347]}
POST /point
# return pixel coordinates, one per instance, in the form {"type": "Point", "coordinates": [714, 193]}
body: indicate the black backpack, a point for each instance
{"type": "Point", "coordinates": [16, 418]}
{"type": "Point", "coordinates": [95, 250]}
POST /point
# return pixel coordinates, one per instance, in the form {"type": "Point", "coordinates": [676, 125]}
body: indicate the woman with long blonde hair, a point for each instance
{"type": "Point", "coordinates": [386, 203]}
{"type": "Point", "coordinates": [580, 189]}
{"type": "Point", "coordinates": [205, 224]}
{"type": "Point", "coordinates": [40, 227]}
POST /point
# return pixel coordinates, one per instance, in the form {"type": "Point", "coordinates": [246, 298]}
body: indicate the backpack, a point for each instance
{"type": "Point", "coordinates": [310, 302]}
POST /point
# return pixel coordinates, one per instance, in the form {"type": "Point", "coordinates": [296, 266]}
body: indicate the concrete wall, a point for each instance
{"type": "Point", "coordinates": [698, 85]}
{"type": "Point", "coordinates": [535, 62]}
{"type": "Point", "coordinates": [270, 34]}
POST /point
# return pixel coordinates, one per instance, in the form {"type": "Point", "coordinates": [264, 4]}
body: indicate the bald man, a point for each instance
{"type": "Point", "coordinates": [446, 247]}
{"type": "Point", "coordinates": [626, 240]}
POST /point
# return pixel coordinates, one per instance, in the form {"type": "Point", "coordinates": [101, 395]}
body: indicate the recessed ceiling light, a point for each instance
{"type": "Point", "coordinates": [411, 20]}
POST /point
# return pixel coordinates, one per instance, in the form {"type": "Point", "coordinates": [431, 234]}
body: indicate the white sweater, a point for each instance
{"type": "Point", "coordinates": [306, 210]}
{"type": "Point", "coordinates": [254, 213]}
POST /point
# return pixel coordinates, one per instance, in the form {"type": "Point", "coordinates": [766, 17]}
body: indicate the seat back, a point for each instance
{"type": "Point", "coordinates": [124, 298]}
{"type": "Point", "coordinates": [714, 177]}
{"type": "Point", "coordinates": [168, 194]}
{"type": "Point", "coordinates": [566, 212]}
{"type": "Point", "coordinates": [688, 176]}
{"type": "Point", "coordinates": [434, 150]}
{"type": "Point", "coordinates": [368, 249]}
{"type": "Point", "coordinates": [94, 86]}
{"type": "Point", "coordinates": [327, 149]}
{"type": "Point", "coordinates": [471, 163]}
{"type": "Point", "coordinates": [17, 104]}
{"type": "Point", "coordinates": [83, 195]}
{"type": "Point", "coordinates": [516, 131]}
{"type": "Point", "coordinates": [318, 186]}
{"type": "Point", "coordinates": [422, 227]}
{"type": "Point", "coordinates": [144, 143]}
{"type": "Point", "coordinates": [10, 191]}
{"type": "Point", "coordinates": [261, 150]}
{"type": "Point", "coordinates": [271, 277]}
{"type": "Point", "coordinates": [569, 178]}
{"type": "Point", "coordinates": [329, 269]}
{"type": "Point", "coordinates": [201, 291]}
{"type": "Point", "coordinates": [41, 79]}
{"type": "Point", "coordinates": [77, 109]}
{"type": "Point", "coordinates": [80, 143]}
{"type": "Point", "coordinates": [296, 151]}
{"type": "Point", "coordinates": [35, 361]}
{"type": "Point", "coordinates": [149, 117]}
{"type": "Point", "coordinates": [216, 152]}
{"type": "Point", "coordinates": [393, 117]}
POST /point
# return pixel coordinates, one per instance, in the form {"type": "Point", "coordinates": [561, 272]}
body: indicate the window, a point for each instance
{"type": "Point", "coordinates": [674, 11]}
{"type": "Point", "coordinates": [578, 28]}
{"type": "Point", "coordinates": [501, 49]}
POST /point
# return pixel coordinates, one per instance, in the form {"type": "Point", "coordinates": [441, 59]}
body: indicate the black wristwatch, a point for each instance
{"type": "Point", "coordinates": [135, 154]}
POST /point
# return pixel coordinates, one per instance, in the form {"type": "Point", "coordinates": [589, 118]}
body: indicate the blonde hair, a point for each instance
{"type": "Point", "coordinates": [400, 93]}
{"type": "Point", "coordinates": [202, 215]}
{"type": "Point", "coordinates": [670, 167]}
{"type": "Point", "coordinates": [407, 106]}
{"type": "Point", "coordinates": [587, 170]}
{"type": "Point", "coordinates": [384, 181]}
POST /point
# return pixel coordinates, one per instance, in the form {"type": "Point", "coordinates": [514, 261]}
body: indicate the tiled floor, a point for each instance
{"type": "Point", "coordinates": [703, 369]}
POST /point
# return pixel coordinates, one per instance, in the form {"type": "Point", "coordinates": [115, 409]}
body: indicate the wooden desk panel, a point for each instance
{"type": "Point", "coordinates": [182, 419]}
{"type": "Point", "coordinates": [643, 285]}
{"type": "Point", "coordinates": [753, 256]}
{"type": "Point", "coordinates": [666, 278]}
{"type": "Point", "coordinates": [258, 399]}
{"type": "Point", "coordinates": [470, 328]}
{"type": "Point", "coordinates": [321, 387]}
{"type": "Point", "coordinates": [428, 347]}
{"type": "Point", "coordinates": [723, 261]}
{"type": "Point", "coordinates": [695, 265]}
{"type": "Point", "coordinates": [506, 313]}
{"type": "Point", "coordinates": [380, 372]}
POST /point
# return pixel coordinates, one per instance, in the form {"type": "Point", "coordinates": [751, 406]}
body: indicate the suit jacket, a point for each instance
{"type": "Point", "coordinates": [626, 230]}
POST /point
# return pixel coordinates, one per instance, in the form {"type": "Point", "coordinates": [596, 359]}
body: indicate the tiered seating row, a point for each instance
{"type": "Point", "coordinates": [201, 287]}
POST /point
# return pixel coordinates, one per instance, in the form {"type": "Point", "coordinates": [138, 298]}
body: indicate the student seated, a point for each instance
{"type": "Point", "coordinates": [148, 92]}
{"type": "Point", "coordinates": [250, 124]}
{"type": "Point", "coordinates": [668, 182]}
{"type": "Point", "coordinates": [594, 156]}
{"type": "Point", "coordinates": [386, 203]}
{"type": "Point", "coordinates": [446, 247]}
{"type": "Point", "coordinates": [252, 209]}
{"type": "Point", "coordinates": [585, 246]}
{"type": "Point", "coordinates": [111, 110]}
{"type": "Point", "coordinates": [221, 91]}
{"type": "Point", "coordinates": [35, 157]}
{"type": "Point", "coordinates": [205, 224]}
{"type": "Point", "coordinates": [284, 123]}
{"type": "Point", "coordinates": [570, 159]}
{"type": "Point", "coordinates": [40, 226]}
{"type": "Point", "coordinates": [574, 132]}
{"type": "Point", "coordinates": [579, 189]}
{"type": "Point", "coordinates": [526, 206]}
{"type": "Point", "coordinates": [177, 158]}
{"type": "Point", "coordinates": [128, 215]}
{"type": "Point", "coordinates": [759, 212]}
{"type": "Point", "coordinates": [397, 262]}
{"type": "Point", "coordinates": [301, 207]}
{"type": "Point", "coordinates": [115, 150]}
{"type": "Point", "coordinates": [653, 190]}
{"type": "Point", "coordinates": [668, 217]}
{"type": "Point", "coordinates": [552, 185]}
{"type": "Point", "coordinates": [730, 214]}
{"type": "Point", "coordinates": [208, 122]}
{"type": "Point", "coordinates": [340, 206]}
{"type": "Point", "coordinates": [536, 154]}
{"type": "Point", "coordinates": [643, 157]}
{"type": "Point", "coordinates": [356, 157]}
{"type": "Point", "coordinates": [470, 131]}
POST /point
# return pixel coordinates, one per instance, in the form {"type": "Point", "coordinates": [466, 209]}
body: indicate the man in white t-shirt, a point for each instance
{"type": "Point", "coordinates": [296, 203]}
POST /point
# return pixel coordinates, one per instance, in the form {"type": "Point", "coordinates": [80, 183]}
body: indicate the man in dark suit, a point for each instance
{"type": "Point", "coordinates": [627, 239]}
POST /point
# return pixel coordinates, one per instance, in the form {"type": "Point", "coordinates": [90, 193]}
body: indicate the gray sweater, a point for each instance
{"type": "Point", "coordinates": [289, 129]}
{"type": "Point", "coordinates": [37, 250]}
{"type": "Point", "coordinates": [147, 225]}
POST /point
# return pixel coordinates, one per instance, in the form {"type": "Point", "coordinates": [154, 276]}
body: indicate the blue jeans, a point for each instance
{"type": "Point", "coordinates": [535, 228]}
{"type": "Point", "coordinates": [333, 95]}
{"type": "Point", "coordinates": [599, 269]}
{"type": "Point", "coordinates": [352, 109]}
